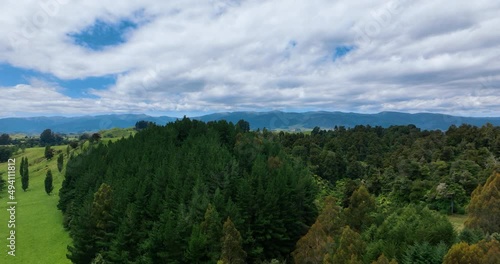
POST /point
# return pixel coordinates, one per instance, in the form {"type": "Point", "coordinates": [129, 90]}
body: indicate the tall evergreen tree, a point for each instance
{"type": "Point", "coordinates": [25, 176]}
{"type": "Point", "coordinates": [21, 167]}
{"type": "Point", "coordinates": [60, 162]}
{"type": "Point", "coordinates": [48, 182]}
{"type": "Point", "coordinates": [83, 249]}
{"type": "Point", "coordinates": [101, 215]}
{"type": "Point", "coordinates": [212, 228]}
{"type": "Point", "coordinates": [196, 252]}
{"type": "Point", "coordinates": [232, 252]}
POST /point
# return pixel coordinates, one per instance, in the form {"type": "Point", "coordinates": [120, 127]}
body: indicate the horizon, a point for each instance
{"type": "Point", "coordinates": [191, 58]}
{"type": "Point", "coordinates": [201, 114]}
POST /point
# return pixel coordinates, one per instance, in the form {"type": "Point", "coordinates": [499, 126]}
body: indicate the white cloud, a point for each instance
{"type": "Point", "coordinates": [236, 55]}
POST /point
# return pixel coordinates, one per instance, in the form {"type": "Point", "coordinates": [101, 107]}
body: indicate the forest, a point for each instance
{"type": "Point", "coordinates": [217, 192]}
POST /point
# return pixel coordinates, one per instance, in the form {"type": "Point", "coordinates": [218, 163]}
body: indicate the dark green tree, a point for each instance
{"type": "Point", "coordinates": [5, 139]}
{"type": "Point", "coordinates": [21, 168]}
{"type": "Point", "coordinates": [6, 153]}
{"type": "Point", "coordinates": [60, 162]}
{"type": "Point", "coordinates": [196, 252]}
{"type": "Point", "coordinates": [49, 152]}
{"type": "Point", "coordinates": [140, 125]}
{"type": "Point", "coordinates": [48, 182]}
{"type": "Point", "coordinates": [84, 136]}
{"type": "Point", "coordinates": [211, 227]}
{"type": "Point", "coordinates": [95, 137]}
{"type": "Point", "coordinates": [25, 176]}
{"type": "Point", "coordinates": [73, 144]}
{"type": "Point", "coordinates": [83, 249]}
{"type": "Point", "coordinates": [243, 126]}
{"type": "Point", "coordinates": [47, 137]}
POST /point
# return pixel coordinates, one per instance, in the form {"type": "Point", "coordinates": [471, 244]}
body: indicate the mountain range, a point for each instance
{"type": "Point", "coordinates": [273, 120]}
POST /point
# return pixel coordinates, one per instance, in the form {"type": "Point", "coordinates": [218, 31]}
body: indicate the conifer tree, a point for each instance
{"type": "Point", "coordinates": [48, 182]}
{"type": "Point", "coordinates": [232, 251]}
{"type": "Point", "coordinates": [197, 246]}
{"type": "Point", "coordinates": [102, 206]}
{"type": "Point", "coordinates": [25, 176]}
{"type": "Point", "coordinates": [83, 249]}
{"type": "Point", "coordinates": [212, 228]}
{"type": "Point", "coordinates": [21, 168]}
{"type": "Point", "coordinates": [60, 162]}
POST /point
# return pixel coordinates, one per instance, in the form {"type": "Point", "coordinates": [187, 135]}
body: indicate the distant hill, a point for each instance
{"type": "Point", "coordinates": [35, 125]}
{"type": "Point", "coordinates": [290, 121]}
{"type": "Point", "coordinates": [271, 120]}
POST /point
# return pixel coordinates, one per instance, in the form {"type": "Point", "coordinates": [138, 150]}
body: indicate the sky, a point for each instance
{"type": "Point", "coordinates": [177, 57]}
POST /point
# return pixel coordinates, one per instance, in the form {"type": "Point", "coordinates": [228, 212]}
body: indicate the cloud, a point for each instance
{"type": "Point", "coordinates": [223, 55]}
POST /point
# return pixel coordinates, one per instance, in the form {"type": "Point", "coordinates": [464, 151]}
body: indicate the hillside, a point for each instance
{"type": "Point", "coordinates": [40, 236]}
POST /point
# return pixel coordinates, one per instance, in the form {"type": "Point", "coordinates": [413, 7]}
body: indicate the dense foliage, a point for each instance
{"type": "Point", "coordinates": [6, 153]}
{"type": "Point", "coordinates": [171, 188]}
{"type": "Point", "coordinates": [194, 192]}
{"type": "Point", "coordinates": [402, 163]}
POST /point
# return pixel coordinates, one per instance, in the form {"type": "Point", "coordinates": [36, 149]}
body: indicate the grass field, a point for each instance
{"type": "Point", "coordinates": [457, 221]}
{"type": "Point", "coordinates": [40, 236]}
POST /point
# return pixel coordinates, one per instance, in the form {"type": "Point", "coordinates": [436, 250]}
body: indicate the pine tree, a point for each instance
{"type": "Point", "coordinates": [25, 176]}
{"type": "Point", "coordinates": [21, 168]}
{"type": "Point", "coordinates": [197, 246]}
{"type": "Point", "coordinates": [232, 252]}
{"type": "Point", "coordinates": [484, 207]}
{"type": "Point", "coordinates": [212, 228]}
{"type": "Point", "coordinates": [102, 206]}
{"type": "Point", "coordinates": [83, 249]}
{"type": "Point", "coordinates": [60, 162]}
{"type": "Point", "coordinates": [48, 182]}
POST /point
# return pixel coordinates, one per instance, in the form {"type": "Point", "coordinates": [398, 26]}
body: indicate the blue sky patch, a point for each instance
{"type": "Point", "coordinates": [77, 88]}
{"type": "Point", "coordinates": [341, 51]}
{"type": "Point", "coordinates": [12, 76]}
{"type": "Point", "coordinates": [102, 34]}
